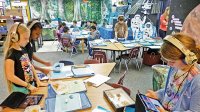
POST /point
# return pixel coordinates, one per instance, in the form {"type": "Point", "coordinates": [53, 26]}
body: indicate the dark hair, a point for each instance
{"type": "Point", "coordinates": [63, 24]}
{"type": "Point", "coordinates": [75, 21]}
{"type": "Point", "coordinates": [65, 29]}
{"type": "Point", "coordinates": [94, 22]}
{"type": "Point", "coordinates": [35, 26]}
{"type": "Point", "coordinates": [93, 27]}
{"type": "Point", "coordinates": [89, 21]}
{"type": "Point", "coordinates": [121, 18]}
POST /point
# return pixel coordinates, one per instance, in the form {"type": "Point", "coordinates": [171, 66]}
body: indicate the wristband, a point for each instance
{"type": "Point", "coordinates": [28, 85]}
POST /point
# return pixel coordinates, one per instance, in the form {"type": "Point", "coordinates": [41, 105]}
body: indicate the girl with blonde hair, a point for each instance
{"type": "Point", "coordinates": [182, 90]}
{"type": "Point", "coordinates": [19, 72]}
{"type": "Point", "coordinates": [164, 23]}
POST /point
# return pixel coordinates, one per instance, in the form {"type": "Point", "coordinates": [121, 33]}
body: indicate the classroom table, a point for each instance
{"type": "Point", "coordinates": [81, 35]}
{"type": "Point", "coordinates": [120, 46]}
{"type": "Point", "coordinates": [95, 94]}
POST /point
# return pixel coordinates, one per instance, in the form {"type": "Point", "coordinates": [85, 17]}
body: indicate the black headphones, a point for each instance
{"type": "Point", "coordinates": [15, 36]}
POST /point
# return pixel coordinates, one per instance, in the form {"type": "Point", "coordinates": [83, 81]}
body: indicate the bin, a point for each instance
{"type": "Point", "coordinates": [160, 73]}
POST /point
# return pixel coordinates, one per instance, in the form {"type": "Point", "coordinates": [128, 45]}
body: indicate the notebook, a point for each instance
{"type": "Point", "coordinates": [21, 100]}
{"type": "Point", "coordinates": [97, 80]}
{"type": "Point", "coordinates": [68, 102]}
{"type": "Point", "coordinates": [63, 87]}
{"type": "Point", "coordinates": [72, 102]}
{"type": "Point", "coordinates": [65, 72]}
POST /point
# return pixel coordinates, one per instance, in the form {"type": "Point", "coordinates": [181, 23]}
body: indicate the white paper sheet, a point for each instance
{"type": "Point", "coordinates": [97, 80]}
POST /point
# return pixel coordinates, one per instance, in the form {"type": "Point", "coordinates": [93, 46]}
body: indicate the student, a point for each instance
{"type": "Point", "coordinates": [66, 34]}
{"type": "Point", "coordinates": [163, 23]}
{"type": "Point", "coordinates": [35, 32]}
{"type": "Point", "coordinates": [121, 28]}
{"type": "Point", "coordinates": [94, 34]}
{"type": "Point", "coordinates": [74, 25]}
{"type": "Point", "coordinates": [60, 28]}
{"type": "Point", "coordinates": [88, 25]}
{"type": "Point", "coordinates": [182, 90]}
{"type": "Point", "coordinates": [20, 73]}
{"type": "Point", "coordinates": [95, 24]}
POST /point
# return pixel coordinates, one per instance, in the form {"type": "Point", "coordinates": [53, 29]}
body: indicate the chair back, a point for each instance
{"type": "Point", "coordinates": [121, 80]}
{"type": "Point", "coordinates": [55, 34]}
{"type": "Point", "coordinates": [59, 36]}
{"type": "Point", "coordinates": [134, 52]}
{"type": "Point", "coordinates": [91, 61]}
{"type": "Point", "coordinates": [100, 55]}
{"type": "Point", "coordinates": [66, 62]}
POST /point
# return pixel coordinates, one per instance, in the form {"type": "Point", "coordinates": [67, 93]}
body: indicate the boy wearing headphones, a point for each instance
{"type": "Point", "coordinates": [20, 73]}
{"type": "Point", "coordinates": [182, 90]}
{"type": "Point", "coordinates": [121, 28]}
{"type": "Point", "coordinates": [35, 31]}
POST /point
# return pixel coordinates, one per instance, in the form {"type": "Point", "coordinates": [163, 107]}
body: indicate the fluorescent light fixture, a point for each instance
{"type": "Point", "coordinates": [14, 3]}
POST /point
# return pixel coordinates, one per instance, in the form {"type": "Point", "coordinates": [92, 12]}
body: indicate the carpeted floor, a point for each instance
{"type": "Point", "coordinates": [135, 80]}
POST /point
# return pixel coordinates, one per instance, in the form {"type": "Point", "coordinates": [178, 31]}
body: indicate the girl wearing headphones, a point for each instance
{"type": "Point", "coordinates": [20, 73]}
{"type": "Point", "coordinates": [182, 90]}
{"type": "Point", "coordinates": [35, 31]}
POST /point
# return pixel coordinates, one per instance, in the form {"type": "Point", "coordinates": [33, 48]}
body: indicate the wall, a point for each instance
{"type": "Point", "coordinates": [179, 9]}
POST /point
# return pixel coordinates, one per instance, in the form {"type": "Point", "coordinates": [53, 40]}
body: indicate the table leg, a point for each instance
{"type": "Point", "coordinates": [113, 56]}
{"type": "Point", "coordinates": [82, 44]}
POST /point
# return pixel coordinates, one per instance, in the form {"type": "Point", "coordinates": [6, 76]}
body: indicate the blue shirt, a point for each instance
{"type": "Point", "coordinates": [189, 100]}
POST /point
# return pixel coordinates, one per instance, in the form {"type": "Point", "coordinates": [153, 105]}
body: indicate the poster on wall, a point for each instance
{"type": "Point", "coordinates": [179, 9]}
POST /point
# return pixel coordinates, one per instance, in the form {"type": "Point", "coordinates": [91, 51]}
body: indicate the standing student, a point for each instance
{"type": "Point", "coordinates": [182, 90]}
{"type": "Point", "coordinates": [35, 31]}
{"type": "Point", "coordinates": [121, 29]}
{"type": "Point", "coordinates": [163, 23]}
{"type": "Point", "coordinates": [19, 71]}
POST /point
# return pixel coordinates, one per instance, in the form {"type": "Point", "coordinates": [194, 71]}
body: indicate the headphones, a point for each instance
{"type": "Point", "coordinates": [32, 23]}
{"type": "Point", "coordinates": [190, 57]}
{"type": "Point", "coordinates": [15, 34]}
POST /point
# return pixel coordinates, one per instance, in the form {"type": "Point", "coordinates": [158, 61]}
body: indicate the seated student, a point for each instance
{"type": "Point", "coordinates": [72, 40]}
{"type": "Point", "coordinates": [94, 34]}
{"type": "Point", "coordinates": [74, 25]}
{"type": "Point", "coordinates": [66, 34]}
{"type": "Point", "coordinates": [182, 90]}
{"type": "Point", "coordinates": [19, 71]}
{"type": "Point", "coordinates": [95, 24]}
{"type": "Point", "coordinates": [88, 25]}
{"type": "Point", "coordinates": [60, 28]}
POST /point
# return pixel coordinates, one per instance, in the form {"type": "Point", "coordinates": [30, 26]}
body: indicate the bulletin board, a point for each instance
{"type": "Point", "coordinates": [179, 9]}
{"type": "Point", "coordinates": [14, 12]}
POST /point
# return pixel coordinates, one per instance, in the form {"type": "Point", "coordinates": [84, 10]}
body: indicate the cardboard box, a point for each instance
{"type": "Point", "coordinates": [118, 99]}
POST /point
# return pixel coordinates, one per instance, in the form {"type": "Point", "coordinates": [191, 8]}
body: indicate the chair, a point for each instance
{"type": "Point", "coordinates": [133, 54]}
{"type": "Point", "coordinates": [66, 62]}
{"type": "Point", "coordinates": [100, 55]}
{"type": "Point", "coordinates": [55, 36]}
{"type": "Point", "coordinates": [119, 84]}
{"type": "Point", "coordinates": [91, 61]}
